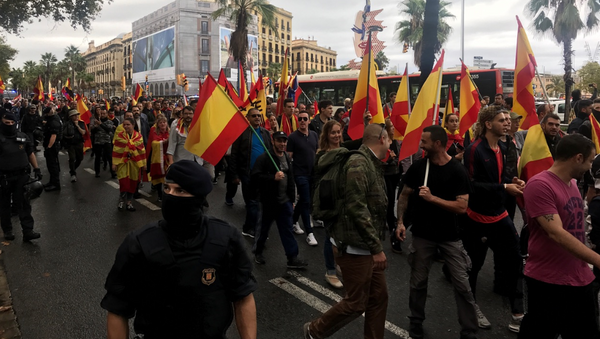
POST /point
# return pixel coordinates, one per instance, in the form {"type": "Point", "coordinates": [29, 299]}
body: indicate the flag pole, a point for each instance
{"type": "Point", "coordinates": [473, 82]}
{"type": "Point", "coordinates": [408, 90]}
{"type": "Point", "coordinates": [368, 71]}
{"type": "Point", "coordinates": [436, 113]}
{"type": "Point", "coordinates": [542, 84]}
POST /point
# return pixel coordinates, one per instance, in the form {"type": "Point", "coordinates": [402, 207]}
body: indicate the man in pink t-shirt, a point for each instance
{"type": "Point", "coordinates": [561, 298]}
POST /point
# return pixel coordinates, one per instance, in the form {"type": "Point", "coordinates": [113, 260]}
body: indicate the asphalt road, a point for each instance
{"type": "Point", "coordinates": [57, 281]}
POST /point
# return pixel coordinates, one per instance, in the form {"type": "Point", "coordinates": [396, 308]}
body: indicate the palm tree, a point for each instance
{"type": "Point", "coordinates": [562, 19]}
{"type": "Point", "coordinates": [49, 61]}
{"type": "Point", "coordinates": [239, 11]}
{"type": "Point", "coordinates": [75, 60]}
{"type": "Point", "coordinates": [411, 31]}
{"type": "Point", "coordinates": [555, 85]}
{"type": "Point", "coordinates": [32, 71]}
{"type": "Point", "coordinates": [17, 80]}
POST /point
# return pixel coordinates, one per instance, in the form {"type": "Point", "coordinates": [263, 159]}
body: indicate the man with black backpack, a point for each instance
{"type": "Point", "coordinates": [356, 234]}
{"type": "Point", "coordinates": [53, 130]}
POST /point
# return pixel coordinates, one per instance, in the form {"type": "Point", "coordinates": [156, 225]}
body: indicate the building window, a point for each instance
{"type": "Point", "coordinates": [321, 68]}
{"type": "Point", "coordinates": [277, 59]}
{"type": "Point", "coordinates": [311, 58]}
{"type": "Point", "coordinates": [288, 37]}
{"type": "Point", "coordinates": [204, 66]}
{"type": "Point", "coordinates": [205, 49]}
{"type": "Point", "coordinates": [298, 57]}
{"type": "Point", "coordinates": [264, 30]}
{"type": "Point", "coordinates": [282, 36]}
{"type": "Point", "coordinates": [307, 56]}
{"type": "Point", "coordinates": [321, 59]}
{"type": "Point", "coordinates": [306, 70]}
{"type": "Point", "coordinates": [270, 58]}
{"type": "Point", "coordinates": [204, 26]}
{"type": "Point", "coordinates": [264, 56]}
{"type": "Point", "coordinates": [282, 24]}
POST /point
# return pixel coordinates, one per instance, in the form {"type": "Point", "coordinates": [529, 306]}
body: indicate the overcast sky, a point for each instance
{"type": "Point", "coordinates": [490, 31]}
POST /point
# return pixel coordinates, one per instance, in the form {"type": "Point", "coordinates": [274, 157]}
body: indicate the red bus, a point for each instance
{"type": "Point", "coordinates": [336, 86]}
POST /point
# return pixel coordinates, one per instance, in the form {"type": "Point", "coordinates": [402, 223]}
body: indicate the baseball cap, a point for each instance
{"type": "Point", "coordinates": [279, 134]}
{"type": "Point", "coordinates": [515, 116]}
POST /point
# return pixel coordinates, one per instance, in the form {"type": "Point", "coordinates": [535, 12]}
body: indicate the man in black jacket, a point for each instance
{"type": "Point", "coordinates": [277, 195]}
{"type": "Point", "coordinates": [244, 152]}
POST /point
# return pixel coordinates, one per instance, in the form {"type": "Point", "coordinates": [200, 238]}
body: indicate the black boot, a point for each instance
{"type": "Point", "coordinates": [30, 235]}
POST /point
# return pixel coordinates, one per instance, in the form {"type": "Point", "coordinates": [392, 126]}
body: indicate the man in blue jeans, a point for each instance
{"type": "Point", "coordinates": [273, 171]}
{"type": "Point", "coordinates": [302, 148]}
{"type": "Point", "coordinates": [244, 152]}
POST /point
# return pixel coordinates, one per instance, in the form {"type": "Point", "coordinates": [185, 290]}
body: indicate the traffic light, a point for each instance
{"type": "Point", "coordinates": [184, 83]}
{"type": "Point", "coordinates": [405, 48]}
{"type": "Point", "coordinates": [178, 79]}
{"type": "Point", "coordinates": [123, 84]}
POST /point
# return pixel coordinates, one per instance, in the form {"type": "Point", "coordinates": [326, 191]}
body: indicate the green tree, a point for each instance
{"type": "Point", "coordinates": [17, 80]}
{"type": "Point", "coordinates": [382, 60]}
{"type": "Point", "coordinates": [589, 74]}
{"type": "Point", "coordinates": [48, 61]}
{"type": "Point", "coordinates": [32, 70]}
{"type": "Point", "coordinates": [411, 31]}
{"type": "Point", "coordinates": [312, 71]}
{"type": "Point", "coordinates": [555, 85]}
{"type": "Point", "coordinates": [75, 61]}
{"type": "Point", "coordinates": [14, 14]}
{"type": "Point", "coordinates": [240, 11]}
{"type": "Point", "coordinates": [342, 68]}
{"type": "Point", "coordinates": [274, 70]}
{"type": "Point", "coordinates": [562, 19]}
{"type": "Point", "coordinates": [7, 54]}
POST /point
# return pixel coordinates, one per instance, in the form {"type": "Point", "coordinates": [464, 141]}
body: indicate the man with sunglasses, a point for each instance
{"type": "Point", "coordinates": [302, 148]}
{"type": "Point", "coordinates": [244, 152]}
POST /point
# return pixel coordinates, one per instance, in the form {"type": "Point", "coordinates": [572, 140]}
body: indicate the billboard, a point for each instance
{"type": "Point", "coordinates": [227, 59]}
{"type": "Point", "coordinates": [154, 56]}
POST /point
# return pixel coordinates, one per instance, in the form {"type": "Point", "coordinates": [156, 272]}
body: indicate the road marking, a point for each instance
{"type": "Point", "coordinates": [89, 170]}
{"type": "Point", "coordinates": [144, 193]}
{"type": "Point", "coordinates": [62, 153]}
{"type": "Point", "coordinates": [317, 303]}
{"type": "Point", "coordinates": [112, 184]}
{"type": "Point", "coordinates": [148, 204]}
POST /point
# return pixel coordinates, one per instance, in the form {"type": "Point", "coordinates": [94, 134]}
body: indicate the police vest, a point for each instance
{"type": "Point", "coordinates": [174, 303]}
{"type": "Point", "coordinates": [13, 153]}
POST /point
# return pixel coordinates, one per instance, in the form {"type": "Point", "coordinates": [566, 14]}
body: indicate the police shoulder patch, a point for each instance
{"type": "Point", "coordinates": [208, 276]}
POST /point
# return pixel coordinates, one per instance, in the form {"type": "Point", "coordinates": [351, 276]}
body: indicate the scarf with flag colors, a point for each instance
{"type": "Point", "coordinates": [424, 112]}
{"type": "Point", "coordinates": [469, 104]}
{"type": "Point", "coordinates": [401, 109]}
{"type": "Point", "coordinates": [83, 110]}
{"type": "Point", "coordinates": [129, 155]}
{"type": "Point", "coordinates": [535, 156]}
{"type": "Point", "coordinates": [216, 125]}
{"type": "Point", "coordinates": [523, 97]}
{"type": "Point", "coordinates": [39, 90]}
{"type": "Point", "coordinates": [367, 89]}
{"type": "Point", "coordinates": [157, 146]}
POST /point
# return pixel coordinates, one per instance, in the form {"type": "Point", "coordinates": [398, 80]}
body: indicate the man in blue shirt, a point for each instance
{"type": "Point", "coordinates": [244, 152]}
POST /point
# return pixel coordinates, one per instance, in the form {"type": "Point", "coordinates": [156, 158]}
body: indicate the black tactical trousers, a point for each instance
{"type": "Point", "coordinates": [51, 155]}
{"type": "Point", "coordinates": [11, 188]}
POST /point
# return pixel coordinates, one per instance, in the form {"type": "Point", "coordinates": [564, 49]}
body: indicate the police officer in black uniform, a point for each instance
{"type": "Point", "coordinates": [180, 276]}
{"type": "Point", "coordinates": [53, 129]}
{"type": "Point", "coordinates": [16, 153]}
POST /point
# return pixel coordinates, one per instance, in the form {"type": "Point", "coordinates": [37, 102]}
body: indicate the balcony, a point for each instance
{"type": "Point", "coordinates": [277, 51]}
{"type": "Point", "coordinates": [264, 48]}
{"type": "Point", "coordinates": [276, 39]}
{"type": "Point", "coordinates": [270, 50]}
{"type": "Point", "coordinates": [264, 35]}
{"type": "Point", "coordinates": [288, 29]}
{"type": "Point", "coordinates": [270, 37]}
{"type": "Point", "coordinates": [263, 63]}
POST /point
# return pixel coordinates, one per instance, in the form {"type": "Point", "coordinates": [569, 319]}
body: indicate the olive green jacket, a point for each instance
{"type": "Point", "coordinates": [362, 222]}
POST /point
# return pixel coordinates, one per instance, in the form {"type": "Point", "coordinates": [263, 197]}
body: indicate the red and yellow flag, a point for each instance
{"type": "Point", "coordinates": [366, 87]}
{"type": "Point", "coordinates": [67, 91]}
{"type": "Point", "coordinates": [83, 110]}
{"type": "Point", "coordinates": [536, 156]}
{"type": "Point", "coordinates": [229, 90]}
{"type": "Point", "coordinates": [217, 123]}
{"type": "Point", "coordinates": [424, 112]}
{"type": "Point", "coordinates": [401, 109]}
{"type": "Point", "coordinates": [523, 98]}
{"type": "Point", "coordinates": [39, 90]}
{"type": "Point", "coordinates": [283, 85]}
{"type": "Point", "coordinates": [595, 132]}
{"type": "Point", "coordinates": [449, 106]}
{"type": "Point", "coordinates": [137, 94]}
{"type": "Point", "coordinates": [469, 104]}
{"type": "Point", "coordinates": [50, 94]}
{"type": "Point", "coordinates": [2, 86]}
{"type": "Point", "coordinates": [257, 98]}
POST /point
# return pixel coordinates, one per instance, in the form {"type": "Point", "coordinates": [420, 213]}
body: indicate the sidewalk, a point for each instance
{"type": "Point", "coordinates": [9, 328]}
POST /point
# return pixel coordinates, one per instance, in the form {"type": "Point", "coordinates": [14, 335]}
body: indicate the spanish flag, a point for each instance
{"type": "Point", "coordinates": [424, 112]}
{"type": "Point", "coordinates": [469, 104]}
{"type": "Point", "coordinates": [67, 91]}
{"type": "Point", "coordinates": [39, 90]}
{"type": "Point", "coordinates": [137, 94]}
{"type": "Point", "coordinates": [401, 108]}
{"type": "Point", "coordinates": [595, 132]}
{"type": "Point", "coordinates": [229, 90]}
{"type": "Point", "coordinates": [83, 110]}
{"type": "Point", "coordinates": [216, 125]}
{"type": "Point", "coordinates": [367, 89]}
{"type": "Point", "coordinates": [2, 86]}
{"type": "Point", "coordinates": [449, 106]}
{"type": "Point", "coordinates": [283, 85]}
{"type": "Point", "coordinates": [523, 99]}
{"type": "Point", "coordinates": [536, 156]}
{"type": "Point", "coordinates": [50, 96]}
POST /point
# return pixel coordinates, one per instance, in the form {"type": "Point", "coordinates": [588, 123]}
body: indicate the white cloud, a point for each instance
{"type": "Point", "coordinates": [490, 31]}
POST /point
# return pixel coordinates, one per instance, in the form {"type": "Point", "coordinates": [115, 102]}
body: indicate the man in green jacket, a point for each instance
{"type": "Point", "coordinates": [357, 242]}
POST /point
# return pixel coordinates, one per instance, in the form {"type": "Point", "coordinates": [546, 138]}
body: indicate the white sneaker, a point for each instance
{"type": "Point", "coordinates": [73, 178]}
{"type": "Point", "coordinates": [311, 240]}
{"type": "Point", "coordinates": [482, 321]}
{"type": "Point", "coordinates": [297, 229]}
{"type": "Point", "coordinates": [317, 223]}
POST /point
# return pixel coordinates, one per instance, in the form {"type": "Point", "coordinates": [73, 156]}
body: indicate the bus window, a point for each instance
{"type": "Point", "coordinates": [327, 94]}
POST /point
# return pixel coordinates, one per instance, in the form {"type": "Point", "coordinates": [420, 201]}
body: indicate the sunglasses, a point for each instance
{"type": "Point", "coordinates": [303, 119]}
{"type": "Point", "coordinates": [255, 115]}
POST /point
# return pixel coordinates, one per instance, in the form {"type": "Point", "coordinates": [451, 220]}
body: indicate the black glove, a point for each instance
{"type": "Point", "coordinates": [38, 174]}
